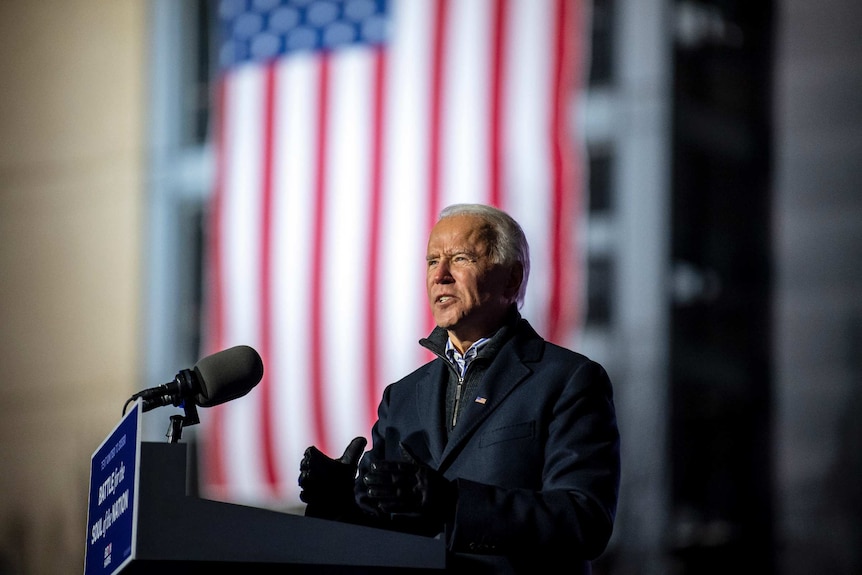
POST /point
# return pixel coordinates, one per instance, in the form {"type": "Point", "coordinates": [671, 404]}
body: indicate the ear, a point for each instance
{"type": "Point", "coordinates": [513, 283]}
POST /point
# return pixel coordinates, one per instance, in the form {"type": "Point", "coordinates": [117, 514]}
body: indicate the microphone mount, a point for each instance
{"type": "Point", "coordinates": [215, 379]}
{"type": "Point", "coordinates": [190, 410]}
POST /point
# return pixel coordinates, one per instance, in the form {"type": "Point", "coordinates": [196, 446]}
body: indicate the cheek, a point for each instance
{"type": "Point", "coordinates": [494, 287]}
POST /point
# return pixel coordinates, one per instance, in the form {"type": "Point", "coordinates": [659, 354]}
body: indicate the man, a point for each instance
{"type": "Point", "coordinates": [505, 443]}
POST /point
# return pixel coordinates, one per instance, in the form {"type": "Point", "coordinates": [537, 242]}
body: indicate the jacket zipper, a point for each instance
{"type": "Point", "coordinates": [457, 400]}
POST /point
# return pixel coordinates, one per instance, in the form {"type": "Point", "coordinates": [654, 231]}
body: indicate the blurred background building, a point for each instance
{"type": "Point", "coordinates": [724, 247]}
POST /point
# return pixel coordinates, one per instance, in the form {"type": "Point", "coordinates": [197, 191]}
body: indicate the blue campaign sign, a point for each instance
{"type": "Point", "coordinates": [112, 509]}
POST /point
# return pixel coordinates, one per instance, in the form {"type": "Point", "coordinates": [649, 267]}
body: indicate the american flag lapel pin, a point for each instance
{"type": "Point", "coordinates": [481, 400]}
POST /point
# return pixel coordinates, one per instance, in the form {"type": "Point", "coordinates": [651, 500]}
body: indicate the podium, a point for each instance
{"type": "Point", "coordinates": [143, 521]}
{"type": "Point", "coordinates": [177, 533]}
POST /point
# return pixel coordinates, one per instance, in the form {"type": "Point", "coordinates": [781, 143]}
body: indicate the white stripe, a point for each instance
{"type": "Point", "coordinates": [297, 133]}
{"type": "Point", "coordinates": [346, 243]}
{"type": "Point", "coordinates": [465, 103]}
{"type": "Point", "coordinates": [402, 303]}
{"type": "Point", "coordinates": [241, 227]}
{"type": "Point", "coordinates": [528, 155]}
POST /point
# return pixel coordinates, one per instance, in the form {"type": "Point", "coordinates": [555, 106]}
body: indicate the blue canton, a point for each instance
{"type": "Point", "coordinates": [262, 30]}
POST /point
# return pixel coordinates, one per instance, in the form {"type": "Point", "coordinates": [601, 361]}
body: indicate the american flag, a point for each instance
{"type": "Point", "coordinates": [342, 128]}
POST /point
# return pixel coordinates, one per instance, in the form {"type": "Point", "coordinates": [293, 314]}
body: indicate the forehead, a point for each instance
{"type": "Point", "coordinates": [462, 231]}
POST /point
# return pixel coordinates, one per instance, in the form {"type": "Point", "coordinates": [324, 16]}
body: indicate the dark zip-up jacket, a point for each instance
{"type": "Point", "coordinates": [534, 453]}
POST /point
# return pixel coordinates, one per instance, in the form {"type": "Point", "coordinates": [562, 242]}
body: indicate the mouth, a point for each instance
{"type": "Point", "coordinates": [443, 299]}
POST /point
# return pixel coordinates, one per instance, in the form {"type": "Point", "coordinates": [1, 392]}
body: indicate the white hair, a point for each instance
{"type": "Point", "coordinates": [508, 242]}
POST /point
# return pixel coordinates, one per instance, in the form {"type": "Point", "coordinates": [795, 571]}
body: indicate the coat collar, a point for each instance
{"type": "Point", "coordinates": [514, 347]}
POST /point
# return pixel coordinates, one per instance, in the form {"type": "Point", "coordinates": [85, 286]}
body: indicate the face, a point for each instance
{"type": "Point", "coordinates": [468, 294]}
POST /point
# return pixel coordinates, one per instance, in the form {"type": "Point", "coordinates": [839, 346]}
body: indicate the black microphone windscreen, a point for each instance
{"type": "Point", "coordinates": [228, 374]}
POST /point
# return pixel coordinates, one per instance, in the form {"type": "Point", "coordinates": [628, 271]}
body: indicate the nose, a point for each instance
{"type": "Point", "coordinates": [441, 274]}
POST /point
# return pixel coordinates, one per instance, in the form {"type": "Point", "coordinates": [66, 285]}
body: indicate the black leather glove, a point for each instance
{"type": "Point", "coordinates": [409, 490]}
{"type": "Point", "coordinates": [328, 484]}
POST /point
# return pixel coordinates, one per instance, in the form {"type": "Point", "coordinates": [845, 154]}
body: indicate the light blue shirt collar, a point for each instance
{"type": "Point", "coordinates": [461, 362]}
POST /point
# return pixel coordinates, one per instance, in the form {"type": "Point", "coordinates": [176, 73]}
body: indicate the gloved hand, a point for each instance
{"type": "Point", "coordinates": [407, 488]}
{"type": "Point", "coordinates": [328, 484]}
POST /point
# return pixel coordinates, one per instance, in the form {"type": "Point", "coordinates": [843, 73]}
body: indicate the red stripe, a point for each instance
{"type": "Point", "coordinates": [213, 463]}
{"type": "Point", "coordinates": [373, 331]}
{"type": "Point", "coordinates": [265, 394]}
{"type": "Point", "coordinates": [497, 84]}
{"type": "Point", "coordinates": [317, 280]}
{"type": "Point", "coordinates": [563, 294]}
{"type": "Point", "coordinates": [438, 51]}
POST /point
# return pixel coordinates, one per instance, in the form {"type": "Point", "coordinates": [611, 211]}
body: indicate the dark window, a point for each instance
{"type": "Point", "coordinates": [600, 284]}
{"type": "Point", "coordinates": [601, 47]}
{"type": "Point", "coordinates": [601, 184]}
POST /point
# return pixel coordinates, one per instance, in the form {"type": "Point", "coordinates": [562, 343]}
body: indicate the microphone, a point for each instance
{"type": "Point", "coordinates": [215, 379]}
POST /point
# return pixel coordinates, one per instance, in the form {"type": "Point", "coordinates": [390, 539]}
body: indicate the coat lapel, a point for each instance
{"type": "Point", "coordinates": [506, 372]}
{"type": "Point", "coordinates": [431, 396]}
